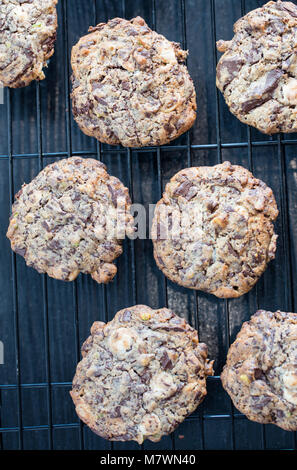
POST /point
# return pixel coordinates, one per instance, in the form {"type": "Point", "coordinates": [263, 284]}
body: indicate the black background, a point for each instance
{"type": "Point", "coordinates": [43, 321]}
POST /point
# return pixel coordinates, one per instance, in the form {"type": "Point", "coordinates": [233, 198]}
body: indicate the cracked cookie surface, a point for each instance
{"type": "Point", "coordinates": [261, 370]}
{"type": "Point", "coordinates": [258, 72]}
{"type": "Point", "coordinates": [71, 218]}
{"type": "Point", "coordinates": [141, 375]}
{"type": "Point", "coordinates": [27, 37]}
{"type": "Point", "coordinates": [130, 85]}
{"type": "Point", "coordinates": [213, 229]}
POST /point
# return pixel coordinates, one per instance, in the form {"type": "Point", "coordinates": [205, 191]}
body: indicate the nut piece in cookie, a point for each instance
{"type": "Point", "coordinates": [141, 375]}
{"type": "Point", "coordinates": [71, 218]}
{"type": "Point", "coordinates": [257, 73]}
{"type": "Point", "coordinates": [261, 370]}
{"type": "Point", "coordinates": [27, 37]}
{"type": "Point", "coordinates": [213, 229]}
{"type": "Point", "coordinates": [130, 85]}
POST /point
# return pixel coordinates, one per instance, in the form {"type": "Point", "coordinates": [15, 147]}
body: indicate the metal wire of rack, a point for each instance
{"type": "Point", "coordinates": [43, 322]}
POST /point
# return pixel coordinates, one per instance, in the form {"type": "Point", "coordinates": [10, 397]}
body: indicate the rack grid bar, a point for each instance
{"type": "Point", "coordinates": [44, 286]}
{"type": "Point", "coordinates": [219, 159]}
{"type": "Point", "coordinates": [205, 417]}
{"type": "Point", "coordinates": [279, 144]}
{"type": "Point", "coordinates": [14, 275]}
{"type": "Point", "coordinates": [167, 148]}
{"type": "Point", "coordinates": [69, 154]}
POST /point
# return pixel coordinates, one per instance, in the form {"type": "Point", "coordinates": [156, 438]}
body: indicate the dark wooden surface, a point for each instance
{"type": "Point", "coordinates": [43, 322]}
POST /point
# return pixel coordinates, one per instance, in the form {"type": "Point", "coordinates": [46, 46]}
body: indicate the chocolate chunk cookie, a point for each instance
{"type": "Point", "coordinates": [261, 370]}
{"type": "Point", "coordinates": [71, 218]}
{"type": "Point", "coordinates": [258, 72]}
{"type": "Point", "coordinates": [27, 37]}
{"type": "Point", "coordinates": [213, 229]}
{"type": "Point", "coordinates": [130, 85]}
{"type": "Point", "coordinates": [141, 375]}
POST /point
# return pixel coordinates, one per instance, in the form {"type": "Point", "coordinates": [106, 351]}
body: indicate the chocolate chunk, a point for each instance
{"type": "Point", "coordinates": [116, 413]}
{"type": "Point", "coordinates": [232, 66]}
{"type": "Point", "coordinates": [168, 128]}
{"type": "Point", "coordinates": [160, 261]}
{"type": "Point", "coordinates": [286, 63]}
{"type": "Point", "coordinates": [167, 327]}
{"type": "Point", "coordinates": [280, 414]}
{"type": "Point", "coordinates": [48, 43]}
{"type": "Point", "coordinates": [20, 251]}
{"type": "Point", "coordinates": [132, 32]}
{"type": "Point", "coordinates": [83, 109]}
{"type": "Point", "coordinates": [276, 27]}
{"type": "Point", "coordinates": [146, 376]}
{"type": "Point", "coordinates": [115, 194]}
{"type": "Point", "coordinates": [125, 86]}
{"type": "Point", "coordinates": [238, 236]}
{"type": "Point", "coordinates": [54, 245]}
{"type": "Point", "coordinates": [260, 402]}
{"type": "Point", "coordinates": [229, 209]}
{"type": "Point", "coordinates": [161, 232]}
{"type": "Point", "coordinates": [212, 205]}
{"type": "Point", "coordinates": [197, 369]}
{"type": "Point", "coordinates": [76, 197]}
{"type": "Point", "coordinates": [232, 251]}
{"type": "Point", "coordinates": [257, 258]}
{"type": "Point", "coordinates": [198, 396]}
{"type": "Point", "coordinates": [288, 7]}
{"type": "Point", "coordinates": [263, 93]}
{"type": "Point", "coordinates": [184, 190]}
{"type": "Point", "coordinates": [100, 100]}
{"type": "Point", "coordinates": [249, 105]}
{"type": "Point", "coordinates": [96, 85]}
{"type": "Point", "coordinates": [258, 374]}
{"type": "Point", "coordinates": [46, 226]}
{"type": "Point", "coordinates": [166, 361]}
{"type": "Point", "coordinates": [87, 44]}
{"type": "Point", "coordinates": [272, 80]}
{"type": "Point", "coordinates": [126, 316]}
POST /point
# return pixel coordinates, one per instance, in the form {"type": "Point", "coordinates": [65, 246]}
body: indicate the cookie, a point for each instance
{"type": "Point", "coordinates": [261, 370]}
{"type": "Point", "coordinates": [71, 218]}
{"type": "Point", "coordinates": [28, 33]}
{"type": "Point", "coordinates": [213, 229]}
{"type": "Point", "coordinates": [141, 375]}
{"type": "Point", "coordinates": [130, 85]}
{"type": "Point", "coordinates": [258, 72]}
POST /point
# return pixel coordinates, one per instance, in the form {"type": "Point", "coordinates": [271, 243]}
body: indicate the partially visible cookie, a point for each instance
{"type": "Point", "coordinates": [27, 37]}
{"type": "Point", "coordinates": [258, 72]}
{"type": "Point", "coordinates": [130, 85]}
{"type": "Point", "coordinates": [71, 218]}
{"type": "Point", "coordinates": [261, 370]}
{"type": "Point", "coordinates": [213, 229]}
{"type": "Point", "coordinates": [141, 375]}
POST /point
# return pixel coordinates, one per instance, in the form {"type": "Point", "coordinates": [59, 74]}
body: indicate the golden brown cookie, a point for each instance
{"type": "Point", "coordinates": [141, 375]}
{"type": "Point", "coordinates": [130, 85]}
{"type": "Point", "coordinates": [71, 218]}
{"type": "Point", "coordinates": [261, 370]}
{"type": "Point", "coordinates": [258, 72]}
{"type": "Point", "coordinates": [213, 229]}
{"type": "Point", "coordinates": [27, 37]}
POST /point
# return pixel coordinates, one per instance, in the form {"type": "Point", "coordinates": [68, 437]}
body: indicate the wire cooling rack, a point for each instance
{"type": "Point", "coordinates": [43, 322]}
